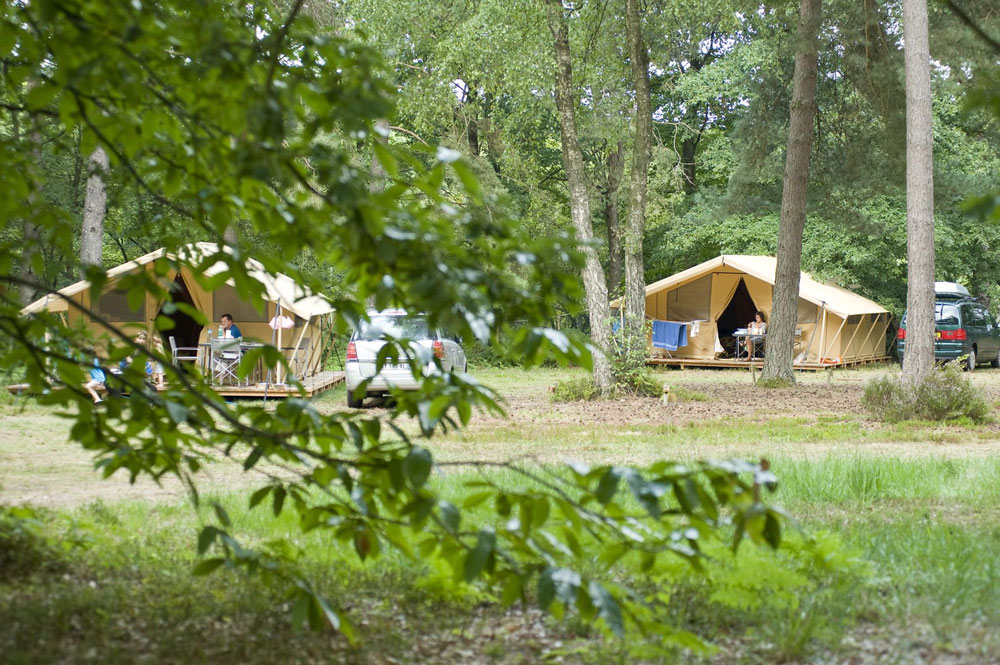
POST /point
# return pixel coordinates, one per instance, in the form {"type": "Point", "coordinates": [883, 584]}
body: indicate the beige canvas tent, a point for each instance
{"type": "Point", "coordinates": [835, 326]}
{"type": "Point", "coordinates": [311, 315]}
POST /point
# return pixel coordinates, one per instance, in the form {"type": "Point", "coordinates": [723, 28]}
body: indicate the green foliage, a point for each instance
{"type": "Point", "coordinates": [579, 389]}
{"type": "Point", "coordinates": [645, 384]}
{"type": "Point", "coordinates": [227, 116]}
{"type": "Point", "coordinates": [26, 546]}
{"type": "Point", "coordinates": [943, 395]}
{"type": "Point", "coordinates": [794, 600]}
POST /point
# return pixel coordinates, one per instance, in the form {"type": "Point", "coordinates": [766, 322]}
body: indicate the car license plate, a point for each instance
{"type": "Point", "coordinates": [397, 366]}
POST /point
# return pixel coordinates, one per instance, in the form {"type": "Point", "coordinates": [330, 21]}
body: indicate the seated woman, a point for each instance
{"type": "Point", "coordinates": [757, 329]}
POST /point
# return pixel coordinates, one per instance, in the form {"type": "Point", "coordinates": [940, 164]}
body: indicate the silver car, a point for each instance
{"type": "Point", "coordinates": [427, 344]}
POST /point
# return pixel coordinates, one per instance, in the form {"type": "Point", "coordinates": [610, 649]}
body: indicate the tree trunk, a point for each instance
{"type": "Point", "coordinates": [32, 233]}
{"type": "Point", "coordinates": [688, 148]}
{"type": "Point", "coordinates": [635, 226]}
{"type": "Point", "coordinates": [919, 357]}
{"type": "Point", "coordinates": [94, 209]}
{"type": "Point", "coordinates": [579, 202]}
{"type": "Point", "coordinates": [616, 168]}
{"type": "Point", "coordinates": [377, 183]}
{"type": "Point", "coordinates": [780, 349]}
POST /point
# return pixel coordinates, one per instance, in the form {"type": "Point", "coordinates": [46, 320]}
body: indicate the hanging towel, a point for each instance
{"type": "Point", "coordinates": [669, 335]}
{"type": "Point", "coordinates": [695, 327]}
{"type": "Point", "coordinates": [682, 334]}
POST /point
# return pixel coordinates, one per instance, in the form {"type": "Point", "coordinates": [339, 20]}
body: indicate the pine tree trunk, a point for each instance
{"type": "Point", "coordinates": [94, 209]}
{"type": "Point", "coordinates": [579, 202]}
{"type": "Point", "coordinates": [919, 356]}
{"type": "Point", "coordinates": [635, 226]}
{"type": "Point", "coordinates": [616, 168]}
{"type": "Point", "coordinates": [780, 349]}
{"type": "Point", "coordinates": [32, 233]}
{"type": "Point", "coordinates": [377, 183]}
{"type": "Point", "coordinates": [688, 149]}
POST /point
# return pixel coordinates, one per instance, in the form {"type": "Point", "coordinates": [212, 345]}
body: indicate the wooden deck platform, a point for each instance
{"type": "Point", "coordinates": [684, 363]}
{"type": "Point", "coordinates": [314, 385]}
{"type": "Point", "coordinates": [318, 383]}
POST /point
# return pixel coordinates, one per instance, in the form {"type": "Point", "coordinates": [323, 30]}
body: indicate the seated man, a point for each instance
{"type": "Point", "coordinates": [229, 328]}
{"type": "Point", "coordinates": [228, 356]}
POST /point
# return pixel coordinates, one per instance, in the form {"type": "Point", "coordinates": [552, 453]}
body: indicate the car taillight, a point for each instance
{"type": "Point", "coordinates": [901, 334]}
{"type": "Point", "coordinates": [438, 349]}
{"type": "Point", "coordinates": [352, 351]}
{"type": "Point", "coordinates": [959, 334]}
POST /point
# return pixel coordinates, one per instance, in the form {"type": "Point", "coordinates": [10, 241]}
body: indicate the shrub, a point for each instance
{"type": "Point", "coordinates": [944, 394]}
{"type": "Point", "coordinates": [575, 390]}
{"type": "Point", "coordinates": [644, 384]}
{"type": "Point", "coordinates": [24, 545]}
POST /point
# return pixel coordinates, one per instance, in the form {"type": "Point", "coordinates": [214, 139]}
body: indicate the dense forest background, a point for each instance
{"type": "Point", "coordinates": [477, 76]}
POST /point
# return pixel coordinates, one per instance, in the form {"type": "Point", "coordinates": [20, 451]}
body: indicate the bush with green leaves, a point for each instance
{"type": "Point", "coordinates": [792, 598]}
{"type": "Point", "coordinates": [26, 546]}
{"type": "Point", "coordinates": [944, 394]}
{"type": "Point", "coordinates": [221, 113]}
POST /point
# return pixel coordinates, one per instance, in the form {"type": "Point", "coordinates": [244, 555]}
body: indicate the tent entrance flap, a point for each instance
{"type": "Point", "coordinates": [738, 312]}
{"type": "Point", "coordinates": [186, 330]}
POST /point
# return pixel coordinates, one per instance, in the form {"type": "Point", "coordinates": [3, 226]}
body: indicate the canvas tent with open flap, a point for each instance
{"type": "Point", "coordinates": [311, 315]}
{"type": "Point", "coordinates": [835, 326]}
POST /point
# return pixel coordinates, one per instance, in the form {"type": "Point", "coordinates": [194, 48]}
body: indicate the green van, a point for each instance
{"type": "Point", "coordinates": [962, 326]}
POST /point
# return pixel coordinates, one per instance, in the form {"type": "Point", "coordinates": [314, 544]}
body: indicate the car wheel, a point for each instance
{"type": "Point", "coordinates": [970, 363]}
{"type": "Point", "coordinates": [353, 402]}
{"type": "Point", "coordinates": [466, 370]}
{"type": "Point", "coordinates": [996, 361]}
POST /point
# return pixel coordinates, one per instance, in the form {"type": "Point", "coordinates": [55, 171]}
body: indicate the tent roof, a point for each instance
{"type": "Point", "coordinates": [835, 298]}
{"type": "Point", "coordinates": [278, 288]}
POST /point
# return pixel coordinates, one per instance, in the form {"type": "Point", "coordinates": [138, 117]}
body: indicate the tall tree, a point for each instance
{"type": "Point", "coordinates": [919, 194]}
{"type": "Point", "coordinates": [579, 200]}
{"type": "Point", "coordinates": [31, 232]}
{"type": "Point", "coordinates": [781, 333]}
{"type": "Point", "coordinates": [615, 164]}
{"type": "Point", "coordinates": [635, 227]}
{"type": "Point", "coordinates": [94, 209]}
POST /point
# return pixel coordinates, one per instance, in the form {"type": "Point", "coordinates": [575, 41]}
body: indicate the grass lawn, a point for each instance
{"type": "Point", "coordinates": [104, 574]}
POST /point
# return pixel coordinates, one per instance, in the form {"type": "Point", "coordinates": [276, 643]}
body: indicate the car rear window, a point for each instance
{"type": "Point", "coordinates": [409, 327]}
{"type": "Point", "coordinates": [946, 314]}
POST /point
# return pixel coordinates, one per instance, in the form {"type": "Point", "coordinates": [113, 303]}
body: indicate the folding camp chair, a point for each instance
{"type": "Point", "coordinates": [179, 354]}
{"type": "Point", "coordinates": [225, 360]}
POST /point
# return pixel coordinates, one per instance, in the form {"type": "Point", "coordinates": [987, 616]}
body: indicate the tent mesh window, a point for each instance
{"type": "Point", "coordinates": [225, 300]}
{"type": "Point", "coordinates": [114, 306]}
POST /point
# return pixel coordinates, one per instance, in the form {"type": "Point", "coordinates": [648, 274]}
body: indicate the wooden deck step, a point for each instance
{"type": "Point", "coordinates": [313, 385]}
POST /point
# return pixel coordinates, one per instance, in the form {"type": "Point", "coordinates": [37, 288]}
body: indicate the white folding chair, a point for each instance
{"type": "Point", "coordinates": [225, 360]}
{"type": "Point", "coordinates": [179, 354]}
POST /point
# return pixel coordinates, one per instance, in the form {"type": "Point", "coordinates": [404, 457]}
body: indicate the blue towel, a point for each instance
{"type": "Point", "coordinates": [669, 335]}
